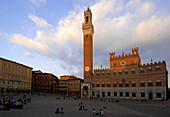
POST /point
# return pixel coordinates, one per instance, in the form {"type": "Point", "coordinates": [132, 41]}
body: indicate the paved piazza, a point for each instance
{"type": "Point", "coordinates": [42, 106]}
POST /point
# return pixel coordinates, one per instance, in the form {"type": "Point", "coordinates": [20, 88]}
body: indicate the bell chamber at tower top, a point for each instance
{"type": "Point", "coordinates": [87, 26]}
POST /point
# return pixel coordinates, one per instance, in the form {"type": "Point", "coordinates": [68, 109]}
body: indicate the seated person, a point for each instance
{"type": "Point", "coordinates": [94, 112]}
{"type": "Point", "coordinates": [101, 112]}
{"type": "Point", "coordinates": [62, 110]}
{"type": "Point", "coordinates": [57, 110]}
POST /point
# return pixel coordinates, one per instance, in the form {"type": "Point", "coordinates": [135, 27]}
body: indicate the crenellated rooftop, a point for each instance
{"type": "Point", "coordinates": [155, 63]}
{"type": "Point", "coordinates": [105, 69]}
{"type": "Point", "coordinates": [134, 52]}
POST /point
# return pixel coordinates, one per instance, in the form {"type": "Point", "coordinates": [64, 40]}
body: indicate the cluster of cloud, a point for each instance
{"type": "Point", "coordinates": [118, 26]}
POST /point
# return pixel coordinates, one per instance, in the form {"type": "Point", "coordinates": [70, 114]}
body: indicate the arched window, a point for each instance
{"type": "Point", "coordinates": [133, 94]}
{"type": "Point", "coordinates": [115, 85]}
{"type": "Point", "coordinates": [108, 85]}
{"type": "Point", "coordinates": [121, 94]}
{"type": "Point", "coordinates": [97, 74]}
{"type": "Point", "coordinates": [103, 94]}
{"type": "Point", "coordinates": [114, 73]}
{"type": "Point", "coordinates": [149, 70]}
{"type": "Point", "coordinates": [98, 94]}
{"type": "Point", "coordinates": [120, 73]}
{"type": "Point", "coordinates": [126, 72]}
{"type": "Point", "coordinates": [120, 84]}
{"type": "Point", "coordinates": [158, 95]}
{"type": "Point", "coordinates": [103, 85]}
{"type": "Point", "coordinates": [133, 72]}
{"type": "Point", "coordinates": [115, 93]}
{"type": "Point", "coordinates": [103, 74]}
{"type": "Point", "coordinates": [158, 69]}
{"type": "Point", "coordinates": [127, 94]}
{"type": "Point", "coordinates": [142, 94]}
{"type": "Point", "coordinates": [133, 84]}
{"type": "Point", "coordinates": [141, 71]}
{"type": "Point", "coordinates": [158, 83]}
{"type": "Point", "coordinates": [97, 85]}
{"type": "Point", "coordinates": [150, 84]}
{"type": "Point", "coordinates": [108, 93]}
{"type": "Point", "coordinates": [108, 74]}
{"type": "Point", "coordinates": [87, 19]}
{"type": "Point", "coordinates": [142, 84]}
{"type": "Point", "coordinates": [127, 84]}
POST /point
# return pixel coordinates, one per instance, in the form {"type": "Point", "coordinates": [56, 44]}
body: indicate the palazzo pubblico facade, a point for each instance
{"type": "Point", "coordinates": [126, 78]}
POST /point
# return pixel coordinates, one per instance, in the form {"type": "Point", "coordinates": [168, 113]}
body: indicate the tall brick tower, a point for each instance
{"type": "Point", "coordinates": [88, 31]}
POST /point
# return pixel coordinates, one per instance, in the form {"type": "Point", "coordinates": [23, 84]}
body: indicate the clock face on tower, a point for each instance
{"type": "Point", "coordinates": [123, 63]}
{"type": "Point", "coordinates": [87, 68]}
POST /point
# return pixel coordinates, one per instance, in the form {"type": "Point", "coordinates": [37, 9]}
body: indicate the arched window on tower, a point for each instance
{"type": "Point", "coordinates": [87, 19]}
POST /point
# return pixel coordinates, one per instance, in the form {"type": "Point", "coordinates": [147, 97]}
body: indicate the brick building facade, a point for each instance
{"type": "Point", "coordinates": [14, 77]}
{"type": "Point", "coordinates": [126, 78]}
{"type": "Point", "coordinates": [74, 86]}
{"type": "Point", "coordinates": [44, 83]}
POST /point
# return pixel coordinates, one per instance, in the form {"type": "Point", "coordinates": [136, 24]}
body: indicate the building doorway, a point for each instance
{"type": "Point", "coordinates": [85, 91]}
{"type": "Point", "coordinates": [150, 95]}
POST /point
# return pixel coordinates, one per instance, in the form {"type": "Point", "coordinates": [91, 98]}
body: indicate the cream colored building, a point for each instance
{"type": "Point", "coordinates": [14, 77]}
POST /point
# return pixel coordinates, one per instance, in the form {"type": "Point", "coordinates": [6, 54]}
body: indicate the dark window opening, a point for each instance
{"type": "Point", "coordinates": [87, 19]}
{"type": "Point", "coordinates": [126, 73]}
{"type": "Point", "coordinates": [127, 94]}
{"type": "Point", "coordinates": [158, 95]}
{"type": "Point", "coordinates": [108, 85]}
{"type": "Point", "coordinates": [141, 71]}
{"type": "Point", "coordinates": [98, 85]}
{"type": "Point", "coordinates": [121, 94]}
{"type": "Point", "coordinates": [133, 94]}
{"type": "Point", "coordinates": [115, 85]}
{"type": "Point", "coordinates": [158, 70]}
{"type": "Point", "coordinates": [115, 93]}
{"type": "Point", "coordinates": [158, 83]}
{"type": "Point", "coordinates": [103, 85]}
{"type": "Point", "coordinates": [103, 74]}
{"type": "Point", "coordinates": [150, 84]}
{"type": "Point", "coordinates": [120, 73]}
{"type": "Point", "coordinates": [149, 71]}
{"type": "Point", "coordinates": [103, 94]}
{"type": "Point", "coordinates": [114, 74]}
{"type": "Point", "coordinates": [133, 84]}
{"type": "Point", "coordinates": [142, 84]}
{"type": "Point", "coordinates": [127, 85]}
{"type": "Point", "coordinates": [97, 75]}
{"type": "Point", "coordinates": [120, 85]}
{"type": "Point", "coordinates": [108, 74]}
{"type": "Point", "coordinates": [133, 72]}
{"type": "Point", "coordinates": [108, 93]}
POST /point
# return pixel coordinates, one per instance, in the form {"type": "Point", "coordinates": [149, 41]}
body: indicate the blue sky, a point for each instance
{"type": "Point", "coordinates": [47, 35]}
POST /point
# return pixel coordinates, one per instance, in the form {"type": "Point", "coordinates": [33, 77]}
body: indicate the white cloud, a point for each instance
{"type": "Point", "coordinates": [41, 23]}
{"type": "Point", "coordinates": [29, 44]}
{"type": "Point", "coordinates": [37, 2]}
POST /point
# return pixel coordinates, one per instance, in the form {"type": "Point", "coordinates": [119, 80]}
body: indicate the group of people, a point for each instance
{"type": "Point", "coordinates": [101, 113]}
{"type": "Point", "coordinates": [58, 110]}
{"type": "Point", "coordinates": [8, 102]}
